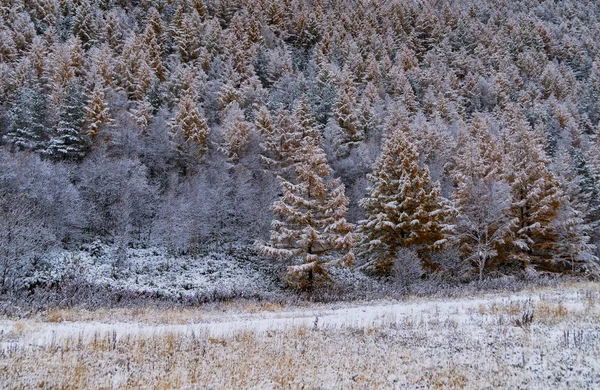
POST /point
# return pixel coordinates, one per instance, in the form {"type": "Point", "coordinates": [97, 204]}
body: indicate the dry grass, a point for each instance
{"type": "Point", "coordinates": [452, 348]}
{"type": "Point", "coordinates": [154, 315]}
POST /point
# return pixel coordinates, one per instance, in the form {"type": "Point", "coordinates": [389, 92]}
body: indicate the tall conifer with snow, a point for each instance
{"type": "Point", "coordinates": [574, 252]}
{"type": "Point", "coordinates": [236, 136]}
{"type": "Point", "coordinates": [311, 232]}
{"type": "Point", "coordinates": [346, 112]}
{"type": "Point", "coordinates": [189, 126]}
{"type": "Point", "coordinates": [27, 119]}
{"type": "Point", "coordinates": [68, 140]}
{"type": "Point", "coordinates": [535, 194]}
{"type": "Point", "coordinates": [403, 206]}
{"type": "Point", "coordinates": [97, 111]}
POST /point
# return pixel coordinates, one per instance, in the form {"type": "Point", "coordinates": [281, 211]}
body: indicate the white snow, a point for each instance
{"type": "Point", "coordinates": [462, 311]}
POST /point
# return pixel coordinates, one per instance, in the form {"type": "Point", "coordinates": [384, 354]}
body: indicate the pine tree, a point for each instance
{"type": "Point", "coordinates": [27, 118]}
{"type": "Point", "coordinates": [69, 141]}
{"type": "Point", "coordinates": [97, 112]}
{"type": "Point", "coordinates": [236, 136]}
{"type": "Point", "coordinates": [403, 207]}
{"type": "Point", "coordinates": [535, 193]}
{"type": "Point", "coordinates": [143, 114]}
{"type": "Point", "coordinates": [345, 110]}
{"type": "Point", "coordinates": [574, 252]}
{"type": "Point", "coordinates": [190, 127]}
{"type": "Point", "coordinates": [311, 231]}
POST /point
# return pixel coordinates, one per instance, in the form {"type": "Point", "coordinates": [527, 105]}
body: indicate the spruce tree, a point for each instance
{"type": "Point", "coordinates": [27, 119]}
{"type": "Point", "coordinates": [311, 232]}
{"type": "Point", "coordinates": [236, 136]}
{"type": "Point", "coordinates": [403, 206]}
{"type": "Point", "coordinates": [97, 112]}
{"type": "Point", "coordinates": [535, 193]}
{"type": "Point", "coordinates": [190, 127]}
{"type": "Point", "coordinates": [69, 141]}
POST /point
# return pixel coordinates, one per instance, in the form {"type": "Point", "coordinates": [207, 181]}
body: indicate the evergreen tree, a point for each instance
{"type": "Point", "coordinates": [27, 119]}
{"type": "Point", "coordinates": [574, 252]}
{"type": "Point", "coordinates": [236, 136]}
{"type": "Point", "coordinates": [311, 231]}
{"type": "Point", "coordinates": [97, 112]}
{"type": "Point", "coordinates": [535, 193]}
{"type": "Point", "coordinates": [403, 207]}
{"type": "Point", "coordinates": [189, 126]}
{"type": "Point", "coordinates": [68, 140]}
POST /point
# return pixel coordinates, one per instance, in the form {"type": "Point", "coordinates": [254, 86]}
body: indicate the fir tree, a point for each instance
{"type": "Point", "coordinates": [403, 207]}
{"type": "Point", "coordinates": [535, 193]}
{"type": "Point", "coordinates": [190, 127]}
{"type": "Point", "coordinates": [27, 119]}
{"type": "Point", "coordinates": [311, 231]}
{"type": "Point", "coordinates": [69, 141]}
{"type": "Point", "coordinates": [236, 136]}
{"type": "Point", "coordinates": [97, 112]}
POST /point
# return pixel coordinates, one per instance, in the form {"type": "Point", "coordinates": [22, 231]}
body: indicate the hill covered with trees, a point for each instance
{"type": "Point", "coordinates": [458, 136]}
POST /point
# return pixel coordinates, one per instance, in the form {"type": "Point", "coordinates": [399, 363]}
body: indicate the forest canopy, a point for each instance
{"type": "Point", "coordinates": [322, 132]}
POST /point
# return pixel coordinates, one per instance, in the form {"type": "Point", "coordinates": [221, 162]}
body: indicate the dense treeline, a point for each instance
{"type": "Point", "coordinates": [457, 134]}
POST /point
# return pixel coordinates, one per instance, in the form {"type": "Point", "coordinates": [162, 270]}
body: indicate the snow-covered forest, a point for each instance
{"type": "Point", "coordinates": [451, 140]}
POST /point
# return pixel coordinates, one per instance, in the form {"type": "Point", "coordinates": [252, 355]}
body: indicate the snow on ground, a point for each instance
{"type": "Point", "coordinates": [375, 314]}
{"type": "Point", "coordinates": [486, 341]}
{"type": "Point", "coordinates": [155, 273]}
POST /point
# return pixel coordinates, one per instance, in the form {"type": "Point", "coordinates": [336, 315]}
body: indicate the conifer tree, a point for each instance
{"type": "Point", "coordinates": [279, 140]}
{"type": "Point", "coordinates": [69, 141]}
{"type": "Point", "coordinates": [236, 136]}
{"type": "Point", "coordinates": [574, 252]}
{"type": "Point", "coordinates": [303, 124]}
{"type": "Point", "coordinates": [345, 110]}
{"type": "Point", "coordinates": [403, 207]}
{"type": "Point", "coordinates": [83, 24]}
{"type": "Point", "coordinates": [263, 122]}
{"type": "Point", "coordinates": [154, 46]}
{"type": "Point", "coordinates": [311, 232]}
{"type": "Point", "coordinates": [190, 127]}
{"type": "Point", "coordinates": [535, 193]}
{"type": "Point", "coordinates": [97, 111]}
{"type": "Point", "coordinates": [143, 114]}
{"type": "Point", "coordinates": [8, 47]}
{"type": "Point", "coordinates": [27, 118]}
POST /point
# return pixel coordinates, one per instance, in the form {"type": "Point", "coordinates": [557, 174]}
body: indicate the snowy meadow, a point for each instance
{"type": "Point", "coordinates": [540, 338]}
